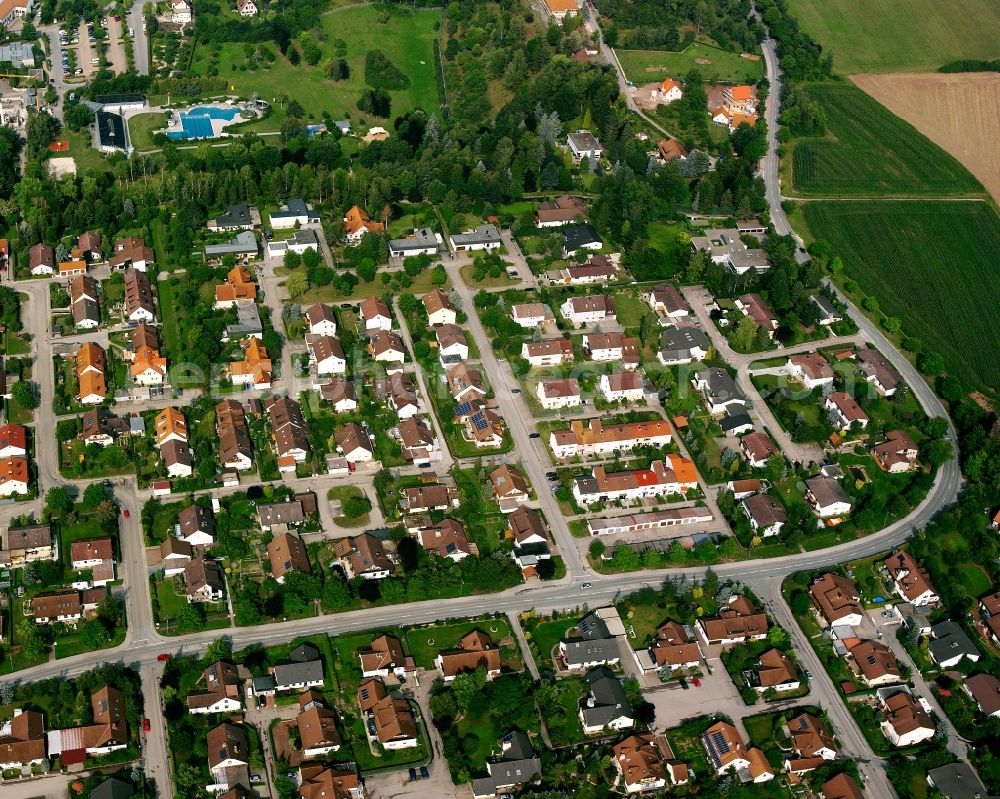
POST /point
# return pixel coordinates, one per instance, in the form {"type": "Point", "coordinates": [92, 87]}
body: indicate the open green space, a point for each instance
{"type": "Point", "coordinates": [647, 66]}
{"type": "Point", "coordinates": [924, 34]}
{"type": "Point", "coordinates": [931, 264]}
{"type": "Point", "coordinates": [406, 37]}
{"type": "Point", "coordinates": [141, 127]}
{"type": "Point", "coordinates": [869, 151]}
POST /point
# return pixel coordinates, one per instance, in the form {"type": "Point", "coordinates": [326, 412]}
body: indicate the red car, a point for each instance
{"type": "Point", "coordinates": [125, 512]}
{"type": "Point", "coordinates": [696, 681]}
{"type": "Point", "coordinates": [145, 725]}
{"type": "Point", "coordinates": [163, 657]}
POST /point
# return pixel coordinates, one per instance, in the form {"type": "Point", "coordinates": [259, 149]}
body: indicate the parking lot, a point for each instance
{"type": "Point", "coordinates": [717, 694]}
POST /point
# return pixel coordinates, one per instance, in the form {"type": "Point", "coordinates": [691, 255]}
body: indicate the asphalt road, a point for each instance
{"type": "Point", "coordinates": [140, 44]}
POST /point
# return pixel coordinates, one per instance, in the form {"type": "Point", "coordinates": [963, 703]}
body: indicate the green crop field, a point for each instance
{"type": "Point", "coordinates": [647, 66]}
{"type": "Point", "coordinates": [900, 35]}
{"type": "Point", "coordinates": [870, 152]}
{"type": "Point", "coordinates": [407, 38]}
{"type": "Point", "coordinates": [930, 263]}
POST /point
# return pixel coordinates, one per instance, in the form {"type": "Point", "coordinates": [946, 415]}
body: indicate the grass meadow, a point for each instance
{"type": "Point", "coordinates": [646, 66]}
{"type": "Point", "coordinates": [407, 38]}
{"type": "Point", "coordinates": [900, 36]}
{"type": "Point", "coordinates": [870, 152]}
{"type": "Point", "coordinates": [930, 263]}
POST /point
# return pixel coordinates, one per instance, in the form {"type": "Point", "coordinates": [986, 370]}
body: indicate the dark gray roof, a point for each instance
{"type": "Point", "coordinates": [677, 344]}
{"type": "Point", "coordinates": [261, 684]}
{"type": "Point", "coordinates": [248, 321]}
{"type": "Point", "coordinates": [296, 207]}
{"type": "Point", "coordinates": [592, 628]}
{"type": "Point", "coordinates": [735, 421]}
{"type": "Point", "coordinates": [950, 640]}
{"type": "Point", "coordinates": [720, 385]}
{"type": "Point", "coordinates": [296, 673]}
{"type": "Point", "coordinates": [238, 214]}
{"type": "Point", "coordinates": [825, 305]}
{"type": "Point", "coordinates": [580, 651]}
{"type": "Point", "coordinates": [281, 513]}
{"type": "Point", "coordinates": [577, 236]}
{"type": "Point", "coordinates": [111, 131]}
{"type": "Point", "coordinates": [607, 700]}
{"type": "Point", "coordinates": [958, 781]}
{"type": "Point", "coordinates": [485, 234]}
{"type": "Point", "coordinates": [516, 746]}
{"type": "Point", "coordinates": [112, 789]}
{"type": "Point", "coordinates": [244, 243]}
{"type": "Point", "coordinates": [303, 653]}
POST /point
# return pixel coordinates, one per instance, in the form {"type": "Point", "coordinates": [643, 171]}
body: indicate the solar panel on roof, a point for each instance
{"type": "Point", "coordinates": [463, 409]}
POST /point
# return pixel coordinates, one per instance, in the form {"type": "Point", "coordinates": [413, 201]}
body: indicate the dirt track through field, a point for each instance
{"type": "Point", "coordinates": [960, 112]}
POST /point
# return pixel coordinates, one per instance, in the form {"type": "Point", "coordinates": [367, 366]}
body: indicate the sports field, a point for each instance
{"type": "Point", "coordinates": [407, 38]}
{"type": "Point", "coordinates": [646, 66]}
{"type": "Point", "coordinates": [959, 112]}
{"type": "Point", "coordinates": [870, 152]}
{"type": "Point", "coordinates": [900, 35]}
{"type": "Point", "coordinates": [930, 263]}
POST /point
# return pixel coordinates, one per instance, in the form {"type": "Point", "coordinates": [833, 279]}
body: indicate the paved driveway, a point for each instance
{"type": "Point", "coordinates": [717, 694]}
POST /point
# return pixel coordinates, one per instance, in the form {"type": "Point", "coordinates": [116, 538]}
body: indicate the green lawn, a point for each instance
{"type": "Point", "coordinates": [924, 34]}
{"type": "Point", "coordinates": [425, 643]}
{"type": "Point", "coordinates": [407, 38]}
{"type": "Point", "coordinates": [343, 493]}
{"type": "Point", "coordinates": [975, 580]}
{"type": "Point", "coordinates": [141, 127]}
{"type": "Point", "coordinates": [868, 151]}
{"type": "Point", "coordinates": [80, 150]}
{"type": "Point", "coordinates": [931, 264]}
{"type": "Point", "coordinates": [546, 635]}
{"type": "Point", "coordinates": [647, 66]}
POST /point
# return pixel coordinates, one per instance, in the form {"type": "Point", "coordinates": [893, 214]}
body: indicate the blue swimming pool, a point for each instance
{"type": "Point", "coordinates": [197, 122]}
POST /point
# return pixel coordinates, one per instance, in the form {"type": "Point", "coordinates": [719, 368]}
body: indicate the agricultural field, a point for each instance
{"type": "Point", "coordinates": [406, 37]}
{"type": "Point", "coordinates": [924, 34]}
{"type": "Point", "coordinates": [930, 263]}
{"type": "Point", "coordinates": [646, 66]}
{"type": "Point", "coordinates": [870, 152]}
{"type": "Point", "coordinates": [958, 112]}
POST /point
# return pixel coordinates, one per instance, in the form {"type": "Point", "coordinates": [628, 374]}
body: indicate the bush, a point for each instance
{"type": "Point", "coordinates": [381, 73]}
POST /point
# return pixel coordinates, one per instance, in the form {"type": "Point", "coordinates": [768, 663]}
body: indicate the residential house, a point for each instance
{"type": "Point", "coordinates": [90, 374]}
{"type": "Point", "coordinates": [735, 623]}
{"type": "Point", "coordinates": [675, 475]}
{"type": "Point", "coordinates": [317, 727]}
{"type": "Point", "coordinates": [322, 320]}
{"type": "Point", "coordinates": [482, 427]}
{"type": "Point", "coordinates": [237, 217]}
{"type": "Point", "coordinates": [720, 391]}
{"type": "Point", "coordinates": [510, 488]}
{"type": "Point", "coordinates": [588, 310]}
{"type": "Point", "coordinates": [107, 733]}
{"type": "Point", "coordinates": [841, 786]}
{"type": "Point", "coordinates": [475, 649]}
{"type": "Point", "coordinates": [583, 145]}
{"type": "Point", "coordinates": [667, 92]}
{"type": "Point", "coordinates": [909, 579]}
{"type": "Point", "coordinates": [561, 393]}
{"type": "Point", "coordinates": [238, 288]}
{"type": "Point", "coordinates": [439, 309]}
{"type": "Point", "coordinates": [598, 269]}
{"type": "Point", "coordinates": [13, 441]}
{"type": "Point", "coordinates": [287, 553]}
{"type": "Point", "coordinates": [375, 313]}
{"type": "Point", "coordinates": [354, 443]}
{"type": "Point", "coordinates": [674, 649]}
{"type": "Point", "coordinates": [558, 10]}
{"type": "Point", "coordinates": [744, 488]}
{"type": "Point", "coordinates": [423, 241]}
{"type": "Point", "coordinates": [957, 781]}
{"type": "Point", "coordinates": [592, 645]}
{"type": "Point", "coordinates": [204, 581]}
{"type": "Point", "coordinates": [645, 762]}
{"type": "Point", "coordinates": [299, 675]}
{"type": "Point", "coordinates": [906, 722]}
{"type": "Point", "coordinates": [228, 757]}
{"type": "Point", "coordinates": [84, 296]}
{"type": "Point", "coordinates": [175, 555]}
{"type": "Point", "coordinates": [177, 458]}
{"type": "Point", "coordinates": [418, 442]}
{"type": "Point", "coordinates": [465, 383]}
{"type": "Point", "coordinates": [668, 150]}
{"type": "Point", "coordinates": [357, 223]}
{"type": "Point", "coordinates": [298, 242]}
{"type": "Point", "coordinates": [837, 600]}
{"type": "Point", "coordinates": [452, 346]}
{"type": "Point", "coordinates": [828, 312]}
{"type": "Point", "coordinates": [811, 369]}
{"type": "Point", "coordinates": [561, 211]}
{"type": "Point", "coordinates": [950, 645]}
{"type": "Point", "coordinates": [139, 305]}
{"type": "Point", "coordinates": [384, 657]}
{"type": "Point", "coordinates": [766, 514]}
{"type": "Point", "coordinates": [131, 251]}
{"type": "Point", "coordinates": [665, 299]}
{"type": "Point", "coordinates": [812, 744]}
{"type": "Point", "coordinates": [874, 663]}
{"type": "Point", "coordinates": [877, 371]}
{"type": "Point", "coordinates": [515, 766]}
{"type": "Point", "coordinates": [826, 497]}
{"type": "Point", "coordinates": [606, 705]}
{"type": "Point", "coordinates": [532, 314]}
{"type": "Point", "coordinates": [14, 476]}
{"type": "Point", "coordinates": [984, 690]}
{"type": "Point", "coordinates": [340, 393]}
{"type": "Point", "coordinates": [758, 449]}
{"type": "Point", "coordinates": [180, 12]}
{"type": "Point", "coordinates": [295, 213]}
{"type": "Point", "coordinates": [327, 354]}
{"type": "Point", "coordinates": [95, 555]}
{"type": "Point", "coordinates": [387, 347]}
{"type": "Point", "coordinates": [580, 237]}
{"type": "Point", "coordinates": [845, 411]}
{"type": "Point", "coordinates": [612, 347]}
{"type": "Point", "coordinates": [339, 781]}
{"type": "Point", "coordinates": [291, 512]}
{"type": "Point", "coordinates": [602, 440]}
{"type": "Point", "coordinates": [235, 448]}
{"type": "Point", "coordinates": [725, 748]}
{"type": "Point", "coordinates": [196, 526]}
{"type": "Point", "coordinates": [483, 238]}
{"type": "Point", "coordinates": [897, 454]}
{"type": "Point", "coordinates": [402, 394]}
{"type": "Point", "coordinates": [391, 716]}
{"type": "Point", "coordinates": [288, 428]}
{"type": "Point", "coordinates": [683, 345]}
{"type": "Point", "coordinates": [170, 425]}
{"type": "Point", "coordinates": [63, 606]}
{"type": "Point", "coordinates": [446, 539]}
{"type": "Point", "coordinates": [28, 544]}
{"type": "Point", "coordinates": [774, 671]}
{"type": "Point", "coordinates": [623, 387]}
{"type": "Point", "coordinates": [363, 556]}
{"type": "Point", "coordinates": [41, 260]}
{"type": "Point", "coordinates": [547, 352]}
{"type": "Point", "coordinates": [426, 498]}
{"type": "Point", "coordinates": [223, 691]}
{"type": "Point", "coordinates": [753, 305]}
{"type": "Point", "coordinates": [726, 247]}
